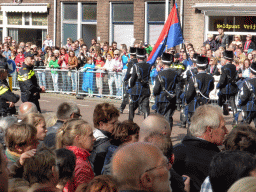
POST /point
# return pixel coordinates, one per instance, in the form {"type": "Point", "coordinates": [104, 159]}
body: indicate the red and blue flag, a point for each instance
{"type": "Point", "coordinates": [171, 36]}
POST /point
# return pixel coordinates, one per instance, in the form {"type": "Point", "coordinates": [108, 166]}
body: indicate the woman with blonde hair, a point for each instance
{"type": "Point", "coordinates": [76, 135]}
{"type": "Point", "coordinates": [237, 41]}
{"type": "Point", "coordinates": [37, 120]}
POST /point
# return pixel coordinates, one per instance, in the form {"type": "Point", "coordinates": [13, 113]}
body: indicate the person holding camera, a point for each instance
{"type": "Point", "coordinates": [164, 88]}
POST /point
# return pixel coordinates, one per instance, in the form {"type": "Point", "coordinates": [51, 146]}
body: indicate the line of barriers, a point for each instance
{"type": "Point", "coordinates": [87, 83]}
{"type": "Point", "coordinates": [79, 82]}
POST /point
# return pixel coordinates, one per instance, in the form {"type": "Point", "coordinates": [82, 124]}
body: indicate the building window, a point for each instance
{"type": "Point", "coordinates": [1, 18]}
{"type": "Point", "coordinates": [122, 23]}
{"type": "Point", "coordinates": [69, 30]}
{"type": "Point", "coordinates": [14, 18]}
{"type": "Point", "coordinates": [155, 21]}
{"type": "Point", "coordinates": [39, 19]}
{"type": "Point", "coordinates": [89, 22]}
{"type": "Point", "coordinates": [89, 12]}
{"type": "Point", "coordinates": [70, 11]}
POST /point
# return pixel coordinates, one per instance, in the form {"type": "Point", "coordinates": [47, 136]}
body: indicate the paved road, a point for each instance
{"type": "Point", "coordinates": [50, 101]}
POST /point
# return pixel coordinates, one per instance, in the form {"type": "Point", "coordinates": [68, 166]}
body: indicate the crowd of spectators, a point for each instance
{"type": "Point", "coordinates": [63, 152]}
{"type": "Point", "coordinates": [101, 66]}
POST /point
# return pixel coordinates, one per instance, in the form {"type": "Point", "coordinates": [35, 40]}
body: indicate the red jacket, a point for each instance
{"type": "Point", "coordinates": [60, 61]}
{"type": "Point", "coordinates": [83, 171]}
{"type": "Point", "coordinates": [19, 60]}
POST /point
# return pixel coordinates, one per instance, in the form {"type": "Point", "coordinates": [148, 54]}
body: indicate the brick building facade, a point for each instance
{"type": "Point", "coordinates": [122, 20]}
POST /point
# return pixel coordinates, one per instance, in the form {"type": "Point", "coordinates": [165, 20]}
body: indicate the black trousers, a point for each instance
{"type": "Point", "coordinates": [231, 98]}
{"type": "Point", "coordinates": [137, 100]}
{"type": "Point", "coordinates": [250, 116]}
{"type": "Point", "coordinates": [167, 110]}
{"type": "Point", "coordinates": [125, 100]}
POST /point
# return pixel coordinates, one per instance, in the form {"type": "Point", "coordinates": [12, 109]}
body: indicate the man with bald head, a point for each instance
{"type": "Point", "coordinates": [154, 123]}
{"type": "Point", "coordinates": [141, 167]}
{"type": "Point", "coordinates": [27, 108]}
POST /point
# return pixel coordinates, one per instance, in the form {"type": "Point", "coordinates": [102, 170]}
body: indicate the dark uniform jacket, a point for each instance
{"type": "Point", "coordinates": [140, 86]}
{"type": "Point", "coordinates": [205, 85]}
{"type": "Point", "coordinates": [193, 71]}
{"type": "Point", "coordinates": [192, 158]}
{"type": "Point", "coordinates": [170, 78]}
{"type": "Point", "coordinates": [247, 97]}
{"type": "Point", "coordinates": [6, 96]}
{"type": "Point", "coordinates": [227, 83]}
{"type": "Point", "coordinates": [129, 67]}
{"type": "Point", "coordinates": [29, 88]}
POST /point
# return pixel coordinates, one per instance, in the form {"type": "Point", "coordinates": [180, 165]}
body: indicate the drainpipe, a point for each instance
{"type": "Point", "coordinates": [166, 9]}
{"type": "Point", "coordinates": [181, 17]}
{"type": "Point", "coordinates": [54, 25]}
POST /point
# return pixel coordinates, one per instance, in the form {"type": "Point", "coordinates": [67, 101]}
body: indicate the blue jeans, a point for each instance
{"type": "Point", "coordinates": [41, 77]}
{"type": "Point", "coordinates": [55, 81]}
{"type": "Point", "coordinates": [66, 82]}
{"type": "Point", "coordinates": [74, 80]}
{"type": "Point", "coordinates": [118, 82]}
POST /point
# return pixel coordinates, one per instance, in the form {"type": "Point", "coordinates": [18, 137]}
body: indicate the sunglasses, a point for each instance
{"type": "Point", "coordinates": [116, 54]}
{"type": "Point", "coordinates": [19, 52]}
{"type": "Point", "coordinates": [211, 60]}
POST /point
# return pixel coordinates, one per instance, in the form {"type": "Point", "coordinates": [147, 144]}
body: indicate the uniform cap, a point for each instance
{"type": "Point", "coordinates": [167, 58]}
{"type": "Point", "coordinates": [228, 55]}
{"type": "Point", "coordinates": [201, 61]}
{"type": "Point", "coordinates": [141, 52]}
{"type": "Point", "coordinates": [133, 50]}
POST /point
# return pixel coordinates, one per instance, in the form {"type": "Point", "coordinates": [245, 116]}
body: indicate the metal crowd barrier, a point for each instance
{"type": "Point", "coordinates": [88, 83]}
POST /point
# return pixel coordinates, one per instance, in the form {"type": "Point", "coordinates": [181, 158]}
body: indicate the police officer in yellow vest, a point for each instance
{"type": "Point", "coordinates": [30, 90]}
{"type": "Point", "coordinates": [7, 97]}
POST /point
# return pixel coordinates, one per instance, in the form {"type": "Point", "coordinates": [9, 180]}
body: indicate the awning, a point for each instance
{"type": "Point", "coordinates": [245, 9]}
{"type": "Point", "coordinates": [24, 7]}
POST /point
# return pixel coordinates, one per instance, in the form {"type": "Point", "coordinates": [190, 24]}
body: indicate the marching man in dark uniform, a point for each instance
{"type": "Point", "coordinates": [139, 84]}
{"type": "Point", "coordinates": [247, 98]}
{"type": "Point", "coordinates": [127, 77]}
{"type": "Point", "coordinates": [7, 97]}
{"type": "Point", "coordinates": [30, 90]}
{"type": "Point", "coordinates": [227, 83]}
{"type": "Point", "coordinates": [164, 89]}
{"type": "Point", "coordinates": [199, 87]}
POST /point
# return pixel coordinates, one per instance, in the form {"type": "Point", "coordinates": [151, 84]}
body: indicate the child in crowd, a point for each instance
{"type": "Point", "coordinates": [53, 64]}
{"type": "Point", "coordinates": [99, 76]}
{"type": "Point", "coordinates": [88, 76]}
{"type": "Point", "coordinates": [20, 138]}
{"type": "Point", "coordinates": [47, 43]}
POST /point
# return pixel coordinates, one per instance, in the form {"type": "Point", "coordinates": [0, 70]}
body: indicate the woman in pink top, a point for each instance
{"type": "Point", "coordinates": [63, 63]}
{"type": "Point", "coordinates": [19, 60]}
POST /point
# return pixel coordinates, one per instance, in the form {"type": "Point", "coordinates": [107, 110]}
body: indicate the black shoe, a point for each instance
{"type": "Point", "coordinates": [139, 113]}
{"type": "Point", "coordinates": [178, 107]}
{"type": "Point", "coordinates": [121, 111]}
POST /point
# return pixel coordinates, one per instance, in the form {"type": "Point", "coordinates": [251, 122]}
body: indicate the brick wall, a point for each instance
{"type": "Point", "coordinates": [193, 24]}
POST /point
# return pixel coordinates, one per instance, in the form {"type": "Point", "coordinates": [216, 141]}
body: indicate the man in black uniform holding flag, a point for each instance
{"type": "Point", "coordinates": [30, 90]}
{"type": "Point", "coordinates": [199, 86]}
{"type": "Point", "coordinates": [127, 77]}
{"type": "Point", "coordinates": [164, 89]}
{"type": "Point", "coordinates": [139, 84]}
